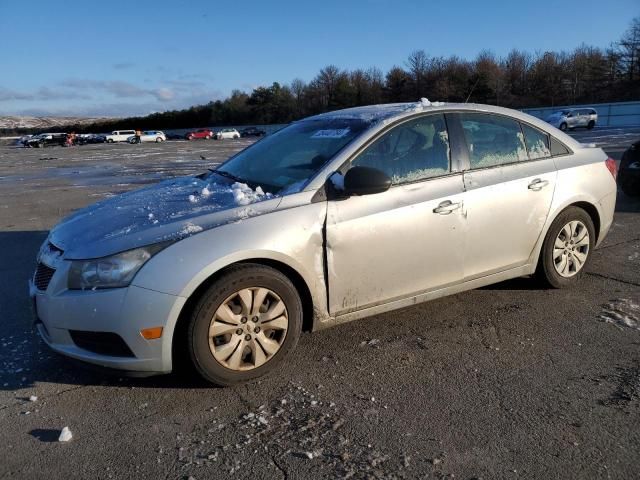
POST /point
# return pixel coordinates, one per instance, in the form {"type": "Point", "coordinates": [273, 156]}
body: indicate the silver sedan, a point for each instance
{"type": "Point", "coordinates": [335, 217]}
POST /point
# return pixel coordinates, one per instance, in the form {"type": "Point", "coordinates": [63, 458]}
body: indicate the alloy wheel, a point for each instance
{"type": "Point", "coordinates": [571, 248]}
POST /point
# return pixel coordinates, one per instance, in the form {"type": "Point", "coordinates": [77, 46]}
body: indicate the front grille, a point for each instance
{"type": "Point", "coordinates": [43, 275]}
{"type": "Point", "coordinates": [102, 343]}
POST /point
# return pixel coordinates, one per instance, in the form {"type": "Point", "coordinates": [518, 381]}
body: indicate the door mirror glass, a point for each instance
{"type": "Point", "coordinates": [365, 181]}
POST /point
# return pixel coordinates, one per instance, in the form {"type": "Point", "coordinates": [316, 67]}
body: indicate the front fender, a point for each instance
{"type": "Point", "coordinates": [292, 236]}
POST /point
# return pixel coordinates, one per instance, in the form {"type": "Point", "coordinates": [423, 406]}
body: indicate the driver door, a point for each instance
{"type": "Point", "coordinates": [407, 240]}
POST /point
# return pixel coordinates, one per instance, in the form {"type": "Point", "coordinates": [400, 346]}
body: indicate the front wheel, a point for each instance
{"type": "Point", "coordinates": [563, 127]}
{"type": "Point", "coordinates": [245, 324]}
{"type": "Point", "coordinates": [567, 248]}
{"type": "Point", "coordinates": [158, 140]}
{"type": "Point", "coordinates": [109, 140]}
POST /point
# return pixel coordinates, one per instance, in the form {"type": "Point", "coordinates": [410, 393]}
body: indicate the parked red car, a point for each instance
{"type": "Point", "coordinates": [202, 133]}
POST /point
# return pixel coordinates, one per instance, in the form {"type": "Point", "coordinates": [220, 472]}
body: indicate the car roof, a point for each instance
{"type": "Point", "coordinates": [383, 114]}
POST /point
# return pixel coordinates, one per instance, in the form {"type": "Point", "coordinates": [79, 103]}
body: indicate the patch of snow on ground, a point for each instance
{"type": "Point", "coordinates": [621, 312]}
{"type": "Point", "coordinates": [65, 435]}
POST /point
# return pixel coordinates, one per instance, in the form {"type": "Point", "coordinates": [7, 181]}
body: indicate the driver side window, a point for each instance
{"type": "Point", "coordinates": [415, 150]}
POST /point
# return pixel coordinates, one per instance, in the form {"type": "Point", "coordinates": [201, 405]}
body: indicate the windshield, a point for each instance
{"type": "Point", "coordinates": [291, 156]}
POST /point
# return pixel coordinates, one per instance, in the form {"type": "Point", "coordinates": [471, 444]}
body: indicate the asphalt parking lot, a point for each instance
{"type": "Point", "coordinates": [508, 381]}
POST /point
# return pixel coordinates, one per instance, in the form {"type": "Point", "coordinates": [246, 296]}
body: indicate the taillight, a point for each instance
{"type": "Point", "coordinates": [611, 165]}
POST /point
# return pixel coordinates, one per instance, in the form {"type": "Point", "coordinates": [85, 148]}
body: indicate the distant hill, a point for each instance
{"type": "Point", "coordinates": [15, 122]}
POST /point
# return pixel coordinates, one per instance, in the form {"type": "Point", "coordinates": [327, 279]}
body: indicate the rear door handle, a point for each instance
{"type": "Point", "coordinates": [446, 207]}
{"type": "Point", "coordinates": [538, 184]}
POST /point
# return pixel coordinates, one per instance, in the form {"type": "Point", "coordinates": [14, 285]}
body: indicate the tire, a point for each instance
{"type": "Point", "coordinates": [240, 328]}
{"type": "Point", "coordinates": [109, 140]}
{"type": "Point", "coordinates": [591, 124]}
{"type": "Point", "coordinates": [236, 137]}
{"type": "Point", "coordinates": [208, 137]}
{"type": "Point", "coordinates": [158, 140]}
{"type": "Point", "coordinates": [576, 255]}
{"type": "Point", "coordinates": [563, 126]}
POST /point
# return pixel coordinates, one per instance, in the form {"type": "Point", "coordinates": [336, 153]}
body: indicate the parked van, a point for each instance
{"type": "Point", "coordinates": [120, 136]}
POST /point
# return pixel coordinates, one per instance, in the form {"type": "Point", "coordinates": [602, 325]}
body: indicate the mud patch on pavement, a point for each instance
{"type": "Point", "coordinates": [622, 312]}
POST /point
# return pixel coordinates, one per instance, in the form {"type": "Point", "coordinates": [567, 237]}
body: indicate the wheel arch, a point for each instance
{"type": "Point", "coordinates": [585, 205]}
{"type": "Point", "coordinates": [178, 341]}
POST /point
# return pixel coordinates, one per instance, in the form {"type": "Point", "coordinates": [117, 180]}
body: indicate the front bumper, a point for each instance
{"type": "Point", "coordinates": [121, 311]}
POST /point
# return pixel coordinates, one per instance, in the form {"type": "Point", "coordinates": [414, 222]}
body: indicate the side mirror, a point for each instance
{"type": "Point", "coordinates": [365, 181]}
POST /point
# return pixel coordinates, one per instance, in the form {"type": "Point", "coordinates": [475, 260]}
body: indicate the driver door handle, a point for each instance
{"type": "Point", "coordinates": [538, 184]}
{"type": "Point", "coordinates": [446, 207]}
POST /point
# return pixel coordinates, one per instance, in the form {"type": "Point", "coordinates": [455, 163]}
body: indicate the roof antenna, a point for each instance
{"type": "Point", "coordinates": [472, 89]}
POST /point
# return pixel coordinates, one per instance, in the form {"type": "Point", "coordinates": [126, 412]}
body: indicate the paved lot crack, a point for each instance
{"type": "Point", "coordinates": [618, 244]}
{"type": "Point", "coordinates": [608, 277]}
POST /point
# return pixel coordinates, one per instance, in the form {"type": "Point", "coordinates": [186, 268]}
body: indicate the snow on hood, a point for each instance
{"type": "Point", "coordinates": [169, 210]}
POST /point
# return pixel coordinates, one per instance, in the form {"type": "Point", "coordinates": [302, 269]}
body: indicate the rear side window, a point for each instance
{"type": "Point", "coordinates": [558, 148]}
{"type": "Point", "coordinates": [492, 140]}
{"type": "Point", "coordinates": [412, 151]}
{"type": "Point", "coordinates": [537, 142]}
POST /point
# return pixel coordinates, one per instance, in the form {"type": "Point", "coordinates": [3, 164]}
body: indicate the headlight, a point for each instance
{"type": "Point", "coordinates": [110, 272]}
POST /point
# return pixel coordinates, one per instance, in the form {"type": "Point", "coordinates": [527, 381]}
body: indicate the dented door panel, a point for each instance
{"type": "Point", "coordinates": [394, 244]}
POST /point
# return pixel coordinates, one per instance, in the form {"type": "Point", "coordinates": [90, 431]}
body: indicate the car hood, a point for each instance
{"type": "Point", "coordinates": [167, 211]}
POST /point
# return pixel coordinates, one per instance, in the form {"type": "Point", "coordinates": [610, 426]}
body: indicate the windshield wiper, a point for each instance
{"type": "Point", "coordinates": [228, 175]}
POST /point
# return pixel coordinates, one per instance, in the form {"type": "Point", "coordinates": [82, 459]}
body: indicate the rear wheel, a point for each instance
{"type": "Point", "coordinates": [591, 124]}
{"type": "Point", "coordinates": [158, 140]}
{"type": "Point", "coordinates": [208, 137]}
{"type": "Point", "coordinates": [567, 248]}
{"type": "Point", "coordinates": [245, 324]}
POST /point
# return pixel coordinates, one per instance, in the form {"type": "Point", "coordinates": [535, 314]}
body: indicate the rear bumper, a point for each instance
{"type": "Point", "coordinates": [607, 209]}
{"type": "Point", "coordinates": [123, 312]}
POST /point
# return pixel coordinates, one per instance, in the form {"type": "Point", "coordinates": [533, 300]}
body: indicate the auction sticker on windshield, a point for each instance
{"type": "Point", "coordinates": [333, 133]}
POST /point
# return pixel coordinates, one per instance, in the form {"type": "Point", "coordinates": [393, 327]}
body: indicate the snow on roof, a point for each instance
{"type": "Point", "coordinates": [377, 113]}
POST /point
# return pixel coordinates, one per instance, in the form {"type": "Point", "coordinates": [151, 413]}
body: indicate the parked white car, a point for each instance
{"type": "Point", "coordinates": [569, 119]}
{"type": "Point", "coordinates": [227, 133]}
{"type": "Point", "coordinates": [149, 136]}
{"type": "Point", "coordinates": [119, 136]}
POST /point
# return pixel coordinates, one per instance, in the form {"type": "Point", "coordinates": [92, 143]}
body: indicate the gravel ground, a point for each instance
{"type": "Point", "coordinates": [508, 381]}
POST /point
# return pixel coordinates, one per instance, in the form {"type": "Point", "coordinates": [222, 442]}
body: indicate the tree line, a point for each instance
{"type": "Point", "coordinates": [518, 80]}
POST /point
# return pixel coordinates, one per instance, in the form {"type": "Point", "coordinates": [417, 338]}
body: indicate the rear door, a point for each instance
{"type": "Point", "coordinates": [509, 186]}
{"type": "Point", "coordinates": [406, 240]}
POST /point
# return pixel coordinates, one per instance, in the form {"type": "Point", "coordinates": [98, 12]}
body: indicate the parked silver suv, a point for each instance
{"type": "Point", "coordinates": [335, 217]}
{"type": "Point", "coordinates": [573, 118]}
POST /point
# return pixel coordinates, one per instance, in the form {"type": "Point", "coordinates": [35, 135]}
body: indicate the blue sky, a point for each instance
{"type": "Point", "coordinates": [122, 58]}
